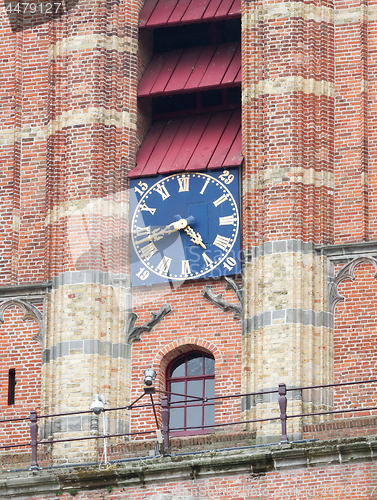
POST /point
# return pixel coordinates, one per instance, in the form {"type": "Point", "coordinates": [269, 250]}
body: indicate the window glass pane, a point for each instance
{"type": "Point", "coordinates": [194, 364]}
{"type": "Point", "coordinates": [209, 388]}
{"type": "Point", "coordinates": [209, 415]}
{"type": "Point", "coordinates": [178, 368]}
{"type": "Point", "coordinates": [209, 366]}
{"type": "Point", "coordinates": [176, 418]}
{"type": "Point", "coordinates": [194, 388]}
{"type": "Point", "coordinates": [178, 387]}
{"type": "Point", "coordinates": [194, 416]}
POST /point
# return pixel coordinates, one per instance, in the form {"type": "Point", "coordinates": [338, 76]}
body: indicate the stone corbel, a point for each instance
{"type": "Point", "coordinates": [30, 312]}
{"type": "Point", "coordinates": [134, 332]}
{"type": "Point", "coordinates": [347, 272]}
{"type": "Point", "coordinates": [222, 304]}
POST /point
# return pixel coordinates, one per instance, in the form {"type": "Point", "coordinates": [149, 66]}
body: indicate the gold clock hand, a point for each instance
{"type": "Point", "coordinates": [195, 237]}
{"type": "Point", "coordinates": [158, 233]}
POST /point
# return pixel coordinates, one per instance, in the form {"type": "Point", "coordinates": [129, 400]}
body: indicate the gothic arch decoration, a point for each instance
{"type": "Point", "coordinates": [30, 312]}
{"type": "Point", "coordinates": [347, 272]}
{"type": "Point", "coordinates": [222, 304]}
{"type": "Point", "coordinates": [180, 346]}
{"type": "Point", "coordinates": [134, 332]}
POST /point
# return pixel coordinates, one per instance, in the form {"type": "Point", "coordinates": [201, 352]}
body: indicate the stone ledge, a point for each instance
{"type": "Point", "coordinates": [254, 460]}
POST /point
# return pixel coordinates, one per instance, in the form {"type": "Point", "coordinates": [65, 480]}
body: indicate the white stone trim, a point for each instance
{"type": "Point", "coordinates": [90, 42]}
{"type": "Point", "coordinates": [288, 84]}
{"type": "Point", "coordinates": [121, 119]}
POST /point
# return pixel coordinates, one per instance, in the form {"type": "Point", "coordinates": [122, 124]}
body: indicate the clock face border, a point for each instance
{"type": "Point", "coordinates": [223, 195]}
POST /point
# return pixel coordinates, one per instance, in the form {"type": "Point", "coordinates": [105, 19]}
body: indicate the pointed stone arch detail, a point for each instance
{"type": "Point", "coordinates": [30, 312]}
{"type": "Point", "coordinates": [347, 272]}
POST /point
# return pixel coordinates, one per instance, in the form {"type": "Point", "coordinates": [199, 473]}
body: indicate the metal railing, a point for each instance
{"type": "Point", "coordinates": [162, 434]}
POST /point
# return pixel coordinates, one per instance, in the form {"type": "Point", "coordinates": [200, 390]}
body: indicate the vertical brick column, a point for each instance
{"type": "Point", "coordinates": [288, 99]}
{"type": "Point", "coordinates": [91, 146]}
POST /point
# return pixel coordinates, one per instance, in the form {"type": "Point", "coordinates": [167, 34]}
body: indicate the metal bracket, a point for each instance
{"type": "Point", "coordinates": [134, 332]}
{"type": "Point", "coordinates": [222, 304]}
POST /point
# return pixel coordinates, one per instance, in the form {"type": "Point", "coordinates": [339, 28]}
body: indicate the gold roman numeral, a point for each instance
{"type": "Point", "coordinates": [226, 221]}
{"type": "Point", "coordinates": [185, 267]}
{"type": "Point", "coordinates": [148, 250]}
{"type": "Point", "coordinates": [220, 200]}
{"type": "Point", "coordinates": [164, 265]}
{"type": "Point", "coordinates": [142, 231]}
{"type": "Point", "coordinates": [184, 183]}
{"type": "Point", "coordinates": [221, 242]}
{"type": "Point", "coordinates": [204, 186]}
{"type": "Point", "coordinates": [161, 189]}
{"type": "Point", "coordinates": [144, 208]}
{"type": "Point", "coordinates": [207, 260]}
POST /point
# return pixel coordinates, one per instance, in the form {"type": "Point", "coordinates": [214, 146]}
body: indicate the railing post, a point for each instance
{"type": "Point", "coordinates": [165, 421]}
{"type": "Point", "coordinates": [283, 412]}
{"type": "Point", "coordinates": [33, 439]}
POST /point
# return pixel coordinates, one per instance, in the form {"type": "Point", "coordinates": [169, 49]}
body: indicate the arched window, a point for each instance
{"type": "Point", "coordinates": [192, 374]}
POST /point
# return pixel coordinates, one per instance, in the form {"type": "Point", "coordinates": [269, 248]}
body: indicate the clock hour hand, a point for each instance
{"type": "Point", "coordinates": [194, 237]}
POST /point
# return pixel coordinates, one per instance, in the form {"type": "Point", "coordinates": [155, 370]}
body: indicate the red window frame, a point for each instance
{"type": "Point", "coordinates": [187, 403]}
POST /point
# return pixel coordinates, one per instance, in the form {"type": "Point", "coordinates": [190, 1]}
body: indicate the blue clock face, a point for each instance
{"type": "Point", "coordinates": [185, 226]}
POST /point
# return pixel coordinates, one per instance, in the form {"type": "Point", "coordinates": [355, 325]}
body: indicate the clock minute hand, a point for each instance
{"type": "Point", "coordinates": [158, 233]}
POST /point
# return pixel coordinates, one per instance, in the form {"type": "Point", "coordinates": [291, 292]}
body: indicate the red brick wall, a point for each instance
{"type": "Point", "coordinates": [193, 324]}
{"type": "Point", "coordinates": [19, 351]}
{"type": "Point", "coordinates": [355, 130]}
{"type": "Point", "coordinates": [23, 111]}
{"type": "Point", "coordinates": [355, 335]}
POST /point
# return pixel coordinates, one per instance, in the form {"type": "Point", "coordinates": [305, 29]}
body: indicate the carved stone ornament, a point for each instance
{"type": "Point", "coordinates": [30, 312]}
{"type": "Point", "coordinates": [222, 304]}
{"type": "Point", "coordinates": [134, 332]}
{"type": "Point", "coordinates": [347, 272]}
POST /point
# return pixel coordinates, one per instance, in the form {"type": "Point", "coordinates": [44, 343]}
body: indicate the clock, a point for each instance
{"type": "Point", "coordinates": [185, 226]}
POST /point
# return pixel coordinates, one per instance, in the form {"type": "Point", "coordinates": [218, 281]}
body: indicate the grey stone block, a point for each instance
{"type": "Point", "coordinates": [76, 344]}
{"type": "Point", "coordinates": [74, 423]}
{"type": "Point", "coordinates": [267, 318]}
{"type": "Point", "coordinates": [278, 314]}
{"type": "Point", "coordinates": [279, 246]}
{"type": "Point", "coordinates": [65, 348]}
{"type": "Point", "coordinates": [88, 346]}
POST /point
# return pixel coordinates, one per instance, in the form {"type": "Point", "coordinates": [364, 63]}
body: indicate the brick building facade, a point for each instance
{"type": "Point", "coordinates": [74, 322]}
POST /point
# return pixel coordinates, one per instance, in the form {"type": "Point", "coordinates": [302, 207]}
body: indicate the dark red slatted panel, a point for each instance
{"type": "Point", "coordinates": [224, 8]}
{"type": "Point", "coordinates": [195, 10]}
{"type": "Point", "coordinates": [162, 147]}
{"type": "Point", "coordinates": [183, 69]}
{"type": "Point", "coordinates": [211, 9]}
{"type": "Point", "coordinates": [209, 140]}
{"type": "Point", "coordinates": [201, 67]}
{"type": "Point", "coordinates": [234, 157]}
{"type": "Point", "coordinates": [169, 163]}
{"type": "Point", "coordinates": [226, 141]}
{"type": "Point", "coordinates": [179, 11]}
{"type": "Point", "coordinates": [233, 68]}
{"type": "Point", "coordinates": [146, 12]}
{"type": "Point", "coordinates": [191, 141]}
{"type": "Point", "coordinates": [166, 71]}
{"type": "Point", "coordinates": [218, 65]}
{"type": "Point", "coordinates": [151, 73]}
{"type": "Point", "coordinates": [162, 12]}
{"type": "Point", "coordinates": [235, 9]}
{"type": "Point", "coordinates": [146, 148]}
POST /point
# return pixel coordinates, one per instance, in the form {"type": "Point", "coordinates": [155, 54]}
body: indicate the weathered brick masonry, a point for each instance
{"type": "Point", "coordinates": [70, 130]}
